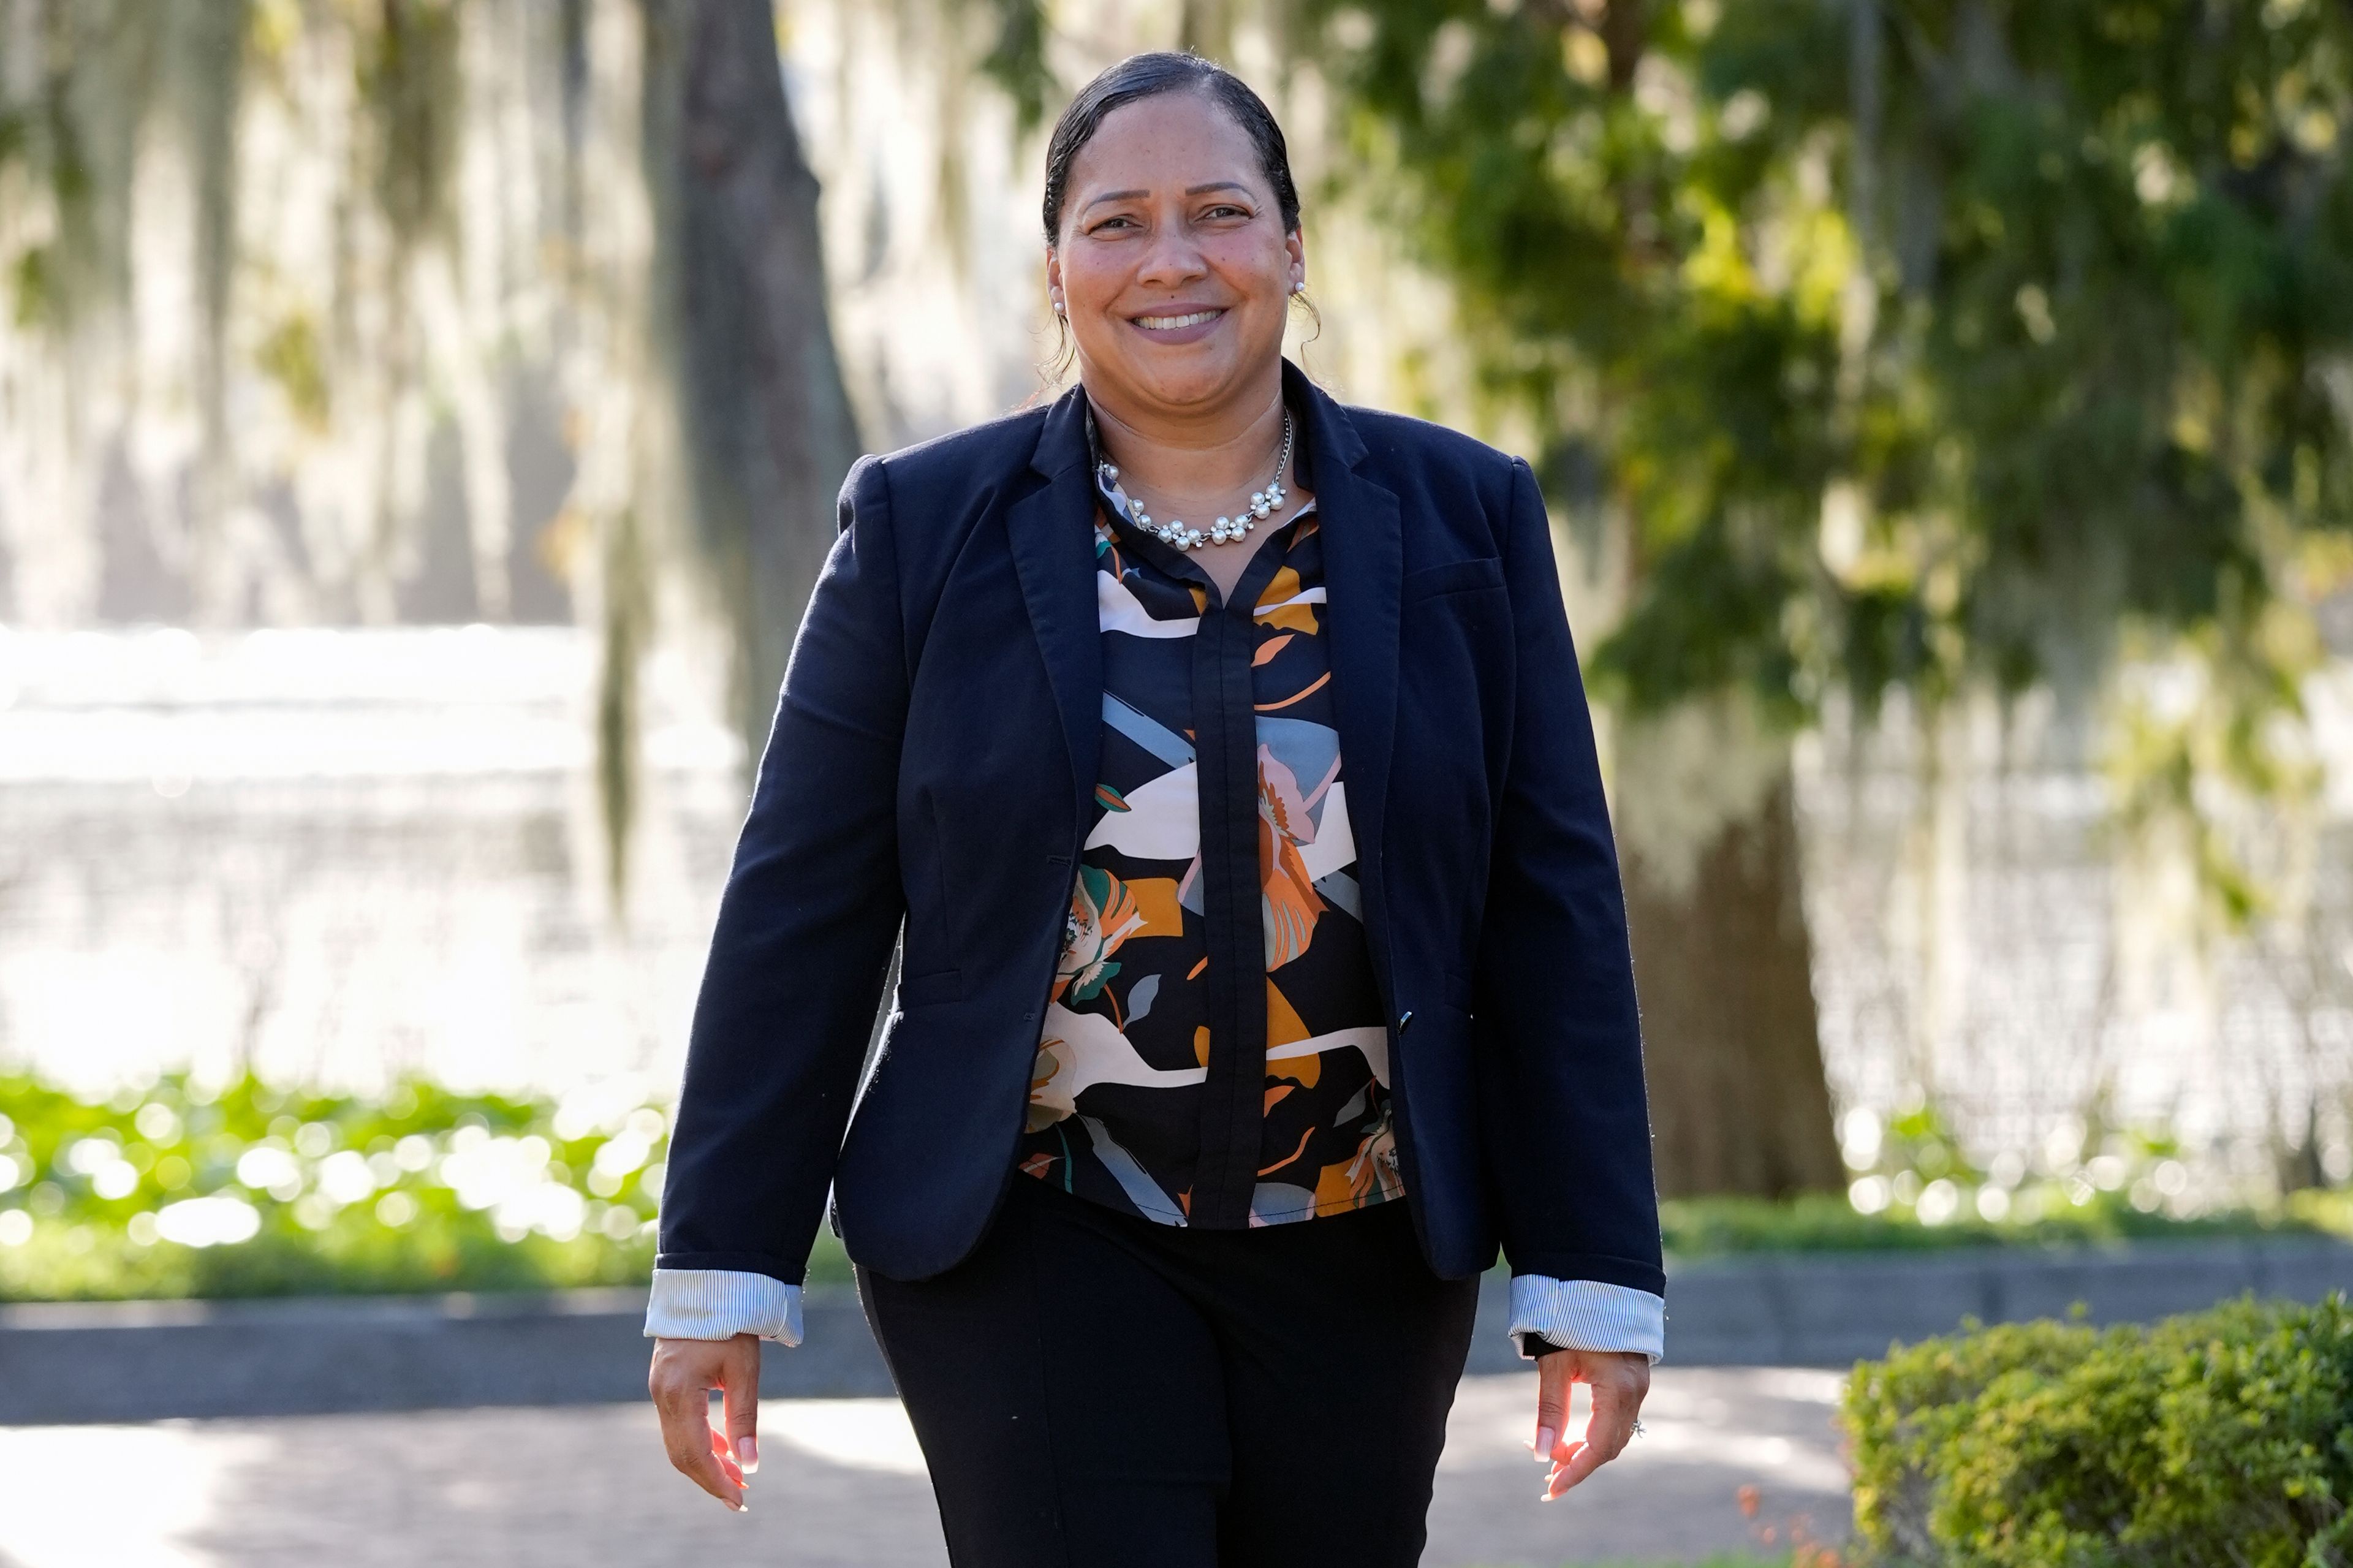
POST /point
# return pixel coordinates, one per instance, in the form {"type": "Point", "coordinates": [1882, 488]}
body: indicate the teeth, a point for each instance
{"type": "Point", "coordinates": [1170, 323]}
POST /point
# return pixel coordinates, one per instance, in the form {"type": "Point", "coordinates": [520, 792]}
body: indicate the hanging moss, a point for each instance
{"type": "Point", "coordinates": [290, 355]}
{"type": "Point", "coordinates": [1015, 62]}
{"type": "Point", "coordinates": [44, 136]}
{"type": "Point", "coordinates": [410, 82]}
{"type": "Point", "coordinates": [627, 630]}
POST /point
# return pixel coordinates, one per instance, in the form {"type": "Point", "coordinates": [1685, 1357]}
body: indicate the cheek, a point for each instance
{"type": "Point", "coordinates": [1249, 270]}
{"type": "Point", "coordinates": [1090, 274]}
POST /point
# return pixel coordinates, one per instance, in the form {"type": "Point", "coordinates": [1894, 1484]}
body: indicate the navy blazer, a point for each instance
{"type": "Point", "coordinates": [931, 762]}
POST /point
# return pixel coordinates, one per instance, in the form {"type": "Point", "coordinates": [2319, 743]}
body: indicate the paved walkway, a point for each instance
{"type": "Point", "coordinates": [842, 1487]}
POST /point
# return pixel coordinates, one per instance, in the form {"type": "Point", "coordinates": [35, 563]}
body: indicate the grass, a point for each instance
{"type": "Point", "coordinates": [2050, 1217]}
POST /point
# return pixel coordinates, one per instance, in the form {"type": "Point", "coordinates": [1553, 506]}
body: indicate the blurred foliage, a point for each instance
{"type": "Point", "coordinates": [2218, 1437]}
{"type": "Point", "coordinates": [2087, 1181]}
{"type": "Point", "coordinates": [1919, 343]}
{"type": "Point", "coordinates": [2052, 304]}
{"type": "Point", "coordinates": [1703, 1227]}
{"type": "Point", "coordinates": [1017, 61]}
{"type": "Point", "coordinates": [411, 88]}
{"type": "Point", "coordinates": [181, 1190]}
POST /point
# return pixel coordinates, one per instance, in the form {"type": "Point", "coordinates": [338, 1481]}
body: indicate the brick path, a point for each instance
{"type": "Point", "coordinates": [842, 1487]}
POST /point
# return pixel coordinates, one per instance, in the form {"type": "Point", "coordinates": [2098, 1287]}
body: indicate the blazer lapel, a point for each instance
{"type": "Point", "coordinates": [1052, 528]}
{"type": "Point", "coordinates": [1363, 565]}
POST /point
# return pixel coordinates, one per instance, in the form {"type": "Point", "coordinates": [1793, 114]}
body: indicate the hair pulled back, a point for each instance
{"type": "Point", "coordinates": [1149, 75]}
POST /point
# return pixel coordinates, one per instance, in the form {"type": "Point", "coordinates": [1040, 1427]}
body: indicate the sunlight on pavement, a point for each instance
{"type": "Point", "coordinates": [842, 1486]}
{"type": "Point", "coordinates": [112, 1497]}
{"type": "Point", "coordinates": [858, 1434]}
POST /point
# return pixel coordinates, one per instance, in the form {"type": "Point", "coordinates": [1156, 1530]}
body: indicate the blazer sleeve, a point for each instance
{"type": "Point", "coordinates": [1568, 1121]}
{"type": "Point", "coordinates": [806, 927]}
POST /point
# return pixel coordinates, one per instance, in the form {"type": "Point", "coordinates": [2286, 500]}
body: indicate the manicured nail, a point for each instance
{"type": "Point", "coordinates": [1542, 1449]}
{"type": "Point", "coordinates": [747, 1454]}
{"type": "Point", "coordinates": [743, 1503]}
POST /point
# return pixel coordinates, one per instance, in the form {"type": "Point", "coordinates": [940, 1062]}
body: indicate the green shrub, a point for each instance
{"type": "Point", "coordinates": [421, 1188]}
{"type": "Point", "coordinates": [275, 1192]}
{"type": "Point", "coordinates": [2222, 1437]}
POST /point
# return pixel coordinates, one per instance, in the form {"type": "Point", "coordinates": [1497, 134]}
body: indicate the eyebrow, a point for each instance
{"type": "Point", "coordinates": [1190, 190]}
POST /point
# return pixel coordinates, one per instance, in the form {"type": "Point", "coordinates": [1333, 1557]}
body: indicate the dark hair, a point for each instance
{"type": "Point", "coordinates": [1149, 75]}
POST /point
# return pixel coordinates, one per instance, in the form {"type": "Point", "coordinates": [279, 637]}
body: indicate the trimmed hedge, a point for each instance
{"type": "Point", "coordinates": [2222, 1437]}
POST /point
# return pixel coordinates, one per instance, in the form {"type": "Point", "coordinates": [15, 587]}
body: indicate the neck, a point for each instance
{"type": "Point", "coordinates": [1191, 457]}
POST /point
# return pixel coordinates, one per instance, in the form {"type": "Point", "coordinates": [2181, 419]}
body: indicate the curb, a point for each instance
{"type": "Point", "coordinates": [1835, 1309]}
{"type": "Point", "coordinates": [144, 1361]}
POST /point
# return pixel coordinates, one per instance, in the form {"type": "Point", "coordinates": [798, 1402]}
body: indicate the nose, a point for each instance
{"type": "Point", "coordinates": [1172, 259]}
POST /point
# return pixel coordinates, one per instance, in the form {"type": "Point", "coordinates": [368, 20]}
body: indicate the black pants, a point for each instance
{"type": "Point", "coordinates": [1097, 1390]}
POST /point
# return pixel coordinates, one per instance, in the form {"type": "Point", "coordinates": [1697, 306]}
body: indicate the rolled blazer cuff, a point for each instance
{"type": "Point", "coordinates": [720, 1303]}
{"type": "Point", "coordinates": [1587, 1315]}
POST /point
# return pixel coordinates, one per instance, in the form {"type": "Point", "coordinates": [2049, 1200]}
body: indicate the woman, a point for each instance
{"type": "Point", "coordinates": [1223, 753]}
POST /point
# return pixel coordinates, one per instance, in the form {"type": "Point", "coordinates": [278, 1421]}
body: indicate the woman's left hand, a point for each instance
{"type": "Point", "coordinates": [1619, 1380]}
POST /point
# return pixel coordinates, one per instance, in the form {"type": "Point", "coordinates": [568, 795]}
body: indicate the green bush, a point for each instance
{"type": "Point", "coordinates": [178, 1190]}
{"type": "Point", "coordinates": [425, 1189]}
{"type": "Point", "coordinates": [2222, 1437]}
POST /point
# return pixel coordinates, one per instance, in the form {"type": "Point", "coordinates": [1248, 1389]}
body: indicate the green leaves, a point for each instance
{"type": "Point", "coordinates": [249, 1190]}
{"type": "Point", "coordinates": [2218, 1437]}
{"type": "Point", "coordinates": [1016, 62]}
{"type": "Point", "coordinates": [2049, 293]}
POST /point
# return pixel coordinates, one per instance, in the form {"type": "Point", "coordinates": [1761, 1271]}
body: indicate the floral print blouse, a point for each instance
{"type": "Point", "coordinates": [1214, 1052]}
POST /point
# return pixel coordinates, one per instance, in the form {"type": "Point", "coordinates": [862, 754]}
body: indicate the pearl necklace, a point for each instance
{"type": "Point", "coordinates": [1226, 529]}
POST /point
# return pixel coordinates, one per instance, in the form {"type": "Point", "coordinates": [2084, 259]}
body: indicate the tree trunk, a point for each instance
{"type": "Point", "coordinates": [1708, 821]}
{"type": "Point", "coordinates": [765, 422]}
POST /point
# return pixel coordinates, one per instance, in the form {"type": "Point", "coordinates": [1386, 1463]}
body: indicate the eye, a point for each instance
{"type": "Point", "coordinates": [1106, 223]}
{"type": "Point", "coordinates": [1223, 208]}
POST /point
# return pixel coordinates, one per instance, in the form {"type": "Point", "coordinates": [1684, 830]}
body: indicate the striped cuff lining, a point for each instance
{"type": "Point", "coordinates": [1588, 1315]}
{"type": "Point", "coordinates": [720, 1303]}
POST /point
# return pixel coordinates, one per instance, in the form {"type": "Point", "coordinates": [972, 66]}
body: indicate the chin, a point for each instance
{"type": "Point", "coordinates": [1186, 383]}
{"type": "Point", "coordinates": [1177, 378]}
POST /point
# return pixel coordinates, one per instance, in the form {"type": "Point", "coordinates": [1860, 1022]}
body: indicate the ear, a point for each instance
{"type": "Point", "coordinates": [1294, 246]}
{"type": "Point", "coordinates": [1053, 274]}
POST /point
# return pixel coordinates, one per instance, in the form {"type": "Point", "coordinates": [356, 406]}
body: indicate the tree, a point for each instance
{"type": "Point", "coordinates": [585, 225]}
{"type": "Point", "coordinates": [1940, 344]}
{"type": "Point", "coordinates": [740, 260]}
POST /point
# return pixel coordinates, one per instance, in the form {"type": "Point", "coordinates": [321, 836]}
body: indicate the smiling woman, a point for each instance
{"type": "Point", "coordinates": [1204, 737]}
{"type": "Point", "coordinates": [1172, 248]}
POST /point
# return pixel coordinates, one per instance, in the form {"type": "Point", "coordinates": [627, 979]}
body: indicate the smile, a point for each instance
{"type": "Point", "coordinates": [1172, 323]}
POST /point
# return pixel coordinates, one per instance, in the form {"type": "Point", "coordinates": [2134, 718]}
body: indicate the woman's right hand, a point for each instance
{"type": "Point", "coordinates": [684, 1372]}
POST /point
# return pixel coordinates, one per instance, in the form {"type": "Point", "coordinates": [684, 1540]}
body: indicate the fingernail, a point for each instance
{"type": "Point", "coordinates": [1544, 1445]}
{"type": "Point", "coordinates": [743, 1503]}
{"type": "Point", "coordinates": [747, 1454]}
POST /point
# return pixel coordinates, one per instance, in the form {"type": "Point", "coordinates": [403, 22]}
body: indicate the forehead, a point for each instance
{"type": "Point", "coordinates": [1168, 142]}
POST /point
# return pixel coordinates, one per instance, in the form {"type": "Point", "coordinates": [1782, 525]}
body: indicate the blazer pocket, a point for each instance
{"type": "Point", "coordinates": [1454, 577]}
{"type": "Point", "coordinates": [923, 990]}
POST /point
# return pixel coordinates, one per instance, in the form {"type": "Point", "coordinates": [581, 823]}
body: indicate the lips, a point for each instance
{"type": "Point", "coordinates": [1178, 325]}
{"type": "Point", "coordinates": [1178, 321]}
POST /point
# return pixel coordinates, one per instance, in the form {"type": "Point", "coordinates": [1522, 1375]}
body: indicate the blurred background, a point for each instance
{"type": "Point", "coordinates": [420, 427]}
